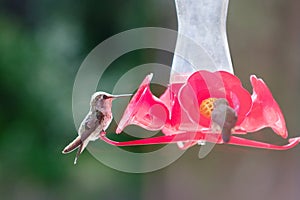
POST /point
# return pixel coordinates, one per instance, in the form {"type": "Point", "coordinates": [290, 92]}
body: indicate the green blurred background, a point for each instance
{"type": "Point", "coordinates": [43, 43]}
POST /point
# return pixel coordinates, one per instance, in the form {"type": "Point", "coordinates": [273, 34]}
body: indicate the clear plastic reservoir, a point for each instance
{"type": "Point", "coordinates": [202, 40]}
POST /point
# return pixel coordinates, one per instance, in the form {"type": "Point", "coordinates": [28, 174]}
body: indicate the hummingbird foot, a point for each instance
{"type": "Point", "coordinates": [102, 133]}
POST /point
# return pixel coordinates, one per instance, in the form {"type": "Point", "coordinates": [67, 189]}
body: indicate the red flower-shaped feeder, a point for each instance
{"type": "Point", "coordinates": [183, 112]}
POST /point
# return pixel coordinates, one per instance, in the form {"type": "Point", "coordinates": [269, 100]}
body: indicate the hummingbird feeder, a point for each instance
{"type": "Point", "coordinates": [183, 112]}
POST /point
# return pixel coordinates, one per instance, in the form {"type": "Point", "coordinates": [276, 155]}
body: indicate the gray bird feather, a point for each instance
{"type": "Point", "coordinates": [224, 117]}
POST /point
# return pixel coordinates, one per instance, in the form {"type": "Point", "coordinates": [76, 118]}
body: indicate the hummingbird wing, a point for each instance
{"type": "Point", "coordinates": [73, 145]}
{"type": "Point", "coordinates": [89, 125]}
{"type": "Point", "coordinates": [80, 150]}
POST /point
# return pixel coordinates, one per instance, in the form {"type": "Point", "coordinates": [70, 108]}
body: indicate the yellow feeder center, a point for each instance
{"type": "Point", "coordinates": [207, 106]}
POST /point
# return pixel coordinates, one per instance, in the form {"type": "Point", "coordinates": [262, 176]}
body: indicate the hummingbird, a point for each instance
{"type": "Point", "coordinates": [225, 117]}
{"type": "Point", "coordinates": [96, 121]}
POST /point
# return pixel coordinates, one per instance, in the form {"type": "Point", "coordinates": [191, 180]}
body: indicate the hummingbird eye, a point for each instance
{"type": "Point", "coordinates": [105, 96]}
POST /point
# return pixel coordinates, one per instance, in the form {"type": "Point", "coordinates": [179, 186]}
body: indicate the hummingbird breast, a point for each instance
{"type": "Point", "coordinates": [104, 120]}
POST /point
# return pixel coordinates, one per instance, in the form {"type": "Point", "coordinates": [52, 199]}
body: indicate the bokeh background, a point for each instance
{"type": "Point", "coordinates": [43, 43]}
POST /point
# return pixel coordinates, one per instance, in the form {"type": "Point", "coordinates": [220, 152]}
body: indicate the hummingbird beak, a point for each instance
{"type": "Point", "coordinates": [120, 95]}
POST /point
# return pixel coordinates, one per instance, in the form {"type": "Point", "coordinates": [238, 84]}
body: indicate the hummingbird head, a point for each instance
{"type": "Point", "coordinates": [102, 100]}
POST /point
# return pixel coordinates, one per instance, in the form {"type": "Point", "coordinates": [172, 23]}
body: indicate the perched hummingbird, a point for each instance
{"type": "Point", "coordinates": [95, 122]}
{"type": "Point", "coordinates": [225, 117]}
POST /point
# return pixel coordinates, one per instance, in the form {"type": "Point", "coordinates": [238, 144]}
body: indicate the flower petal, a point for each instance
{"type": "Point", "coordinates": [144, 109]}
{"type": "Point", "coordinates": [203, 84]}
{"type": "Point", "coordinates": [265, 111]}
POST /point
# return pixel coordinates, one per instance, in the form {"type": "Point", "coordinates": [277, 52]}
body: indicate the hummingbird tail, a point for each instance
{"type": "Point", "coordinates": [78, 154]}
{"type": "Point", "coordinates": [226, 134]}
{"type": "Point", "coordinates": [73, 145]}
{"type": "Point", "coordinates": [82, 146]}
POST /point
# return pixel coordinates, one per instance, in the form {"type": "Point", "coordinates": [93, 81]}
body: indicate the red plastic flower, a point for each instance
{"type": "Point", "coordinates": [265, 111]}
{"type": "Point", "coordinates": [183, 112]}
{"type": "Point", "coordinates": [204, 85]}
